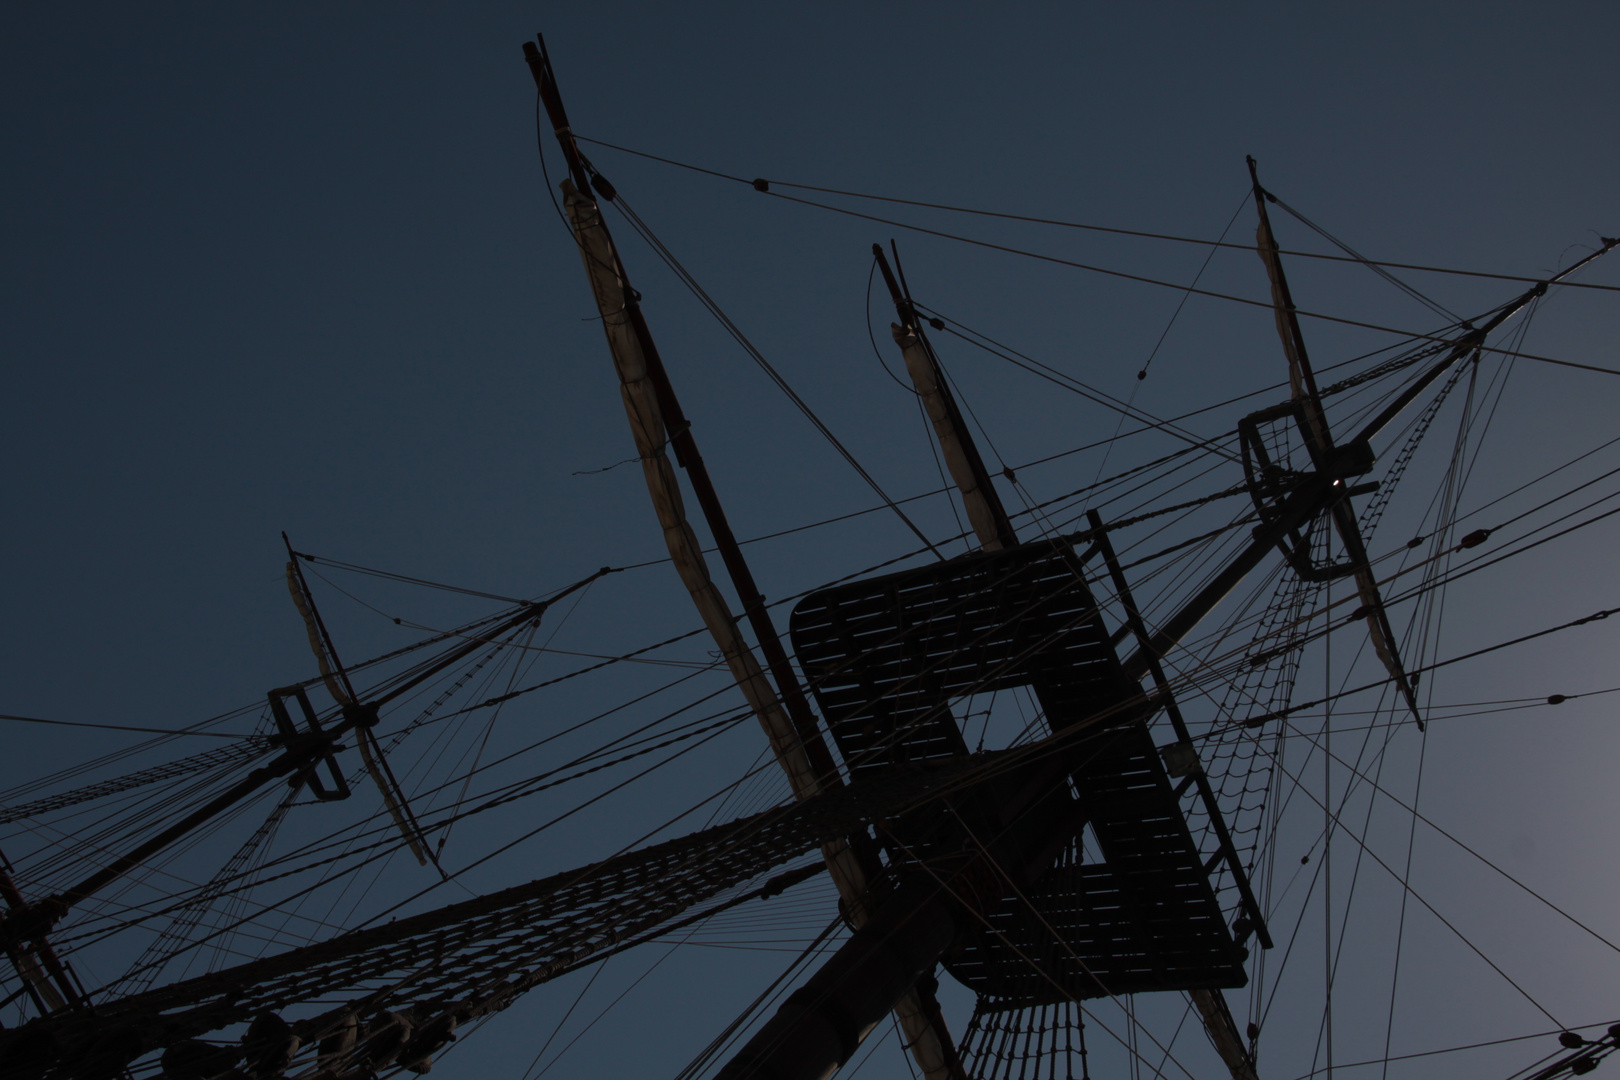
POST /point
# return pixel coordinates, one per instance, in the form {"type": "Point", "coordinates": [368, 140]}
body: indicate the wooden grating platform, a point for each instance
{"type": "Point", "coordinates": [887, 657]}
{"type": "Point", "coordinates": [1142, 918]}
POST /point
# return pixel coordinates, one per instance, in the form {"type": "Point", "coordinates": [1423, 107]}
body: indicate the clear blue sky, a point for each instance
{"type": "Point", "coordinates": [294, 267]}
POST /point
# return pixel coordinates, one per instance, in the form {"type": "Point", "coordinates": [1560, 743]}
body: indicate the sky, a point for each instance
{"type": "Point", "coordinates": [294, 268]}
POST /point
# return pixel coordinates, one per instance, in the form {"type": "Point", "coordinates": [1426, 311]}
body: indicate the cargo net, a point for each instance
{"type": "Point", "coordinates": [1029, 1042]}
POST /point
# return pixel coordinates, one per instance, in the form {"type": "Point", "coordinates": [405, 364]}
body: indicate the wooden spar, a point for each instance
{"type": "Point", "coordinates": [342, 691]}
{"type": "Point", "coordinates": [930, 1043]}
{"type": "Point", "coordinates": [1223, 1033]}
{"type": "Point", "coordinates": [42, 971]}
{"type": "Point", "coordinates": [1320, 443]}
{"type": "Point", "coordinates": [41, 915]}
{"type": "Point", "coordinates": [1301, 379]}
{"type": "Point", "coordinates": [790, 693]}
{"type": "Point", "coordinates": [31, 921]}
{"type": "Point", "coordinates": [994, 530]}
{"type": "Point", "coordinates": [984, 510]}
{"type": "Point", "coordinates": [1379, 630]}
{"type": "Point", "coordinates": [821, 1024]}
{"type": "Point", "coordinates": [647, 427]}
{"type": "Point", "coordinates": [1475, 339]}
{"type": "Point", "coordinates": [658, 424]}
{"type": "Point", "coordinates": [1319, 492]}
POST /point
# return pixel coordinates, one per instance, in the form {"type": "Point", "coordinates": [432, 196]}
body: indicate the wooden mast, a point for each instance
{"type": "Point", "coordinates": [301, 752]}
{"type": "Point", "coordinates": [903, 938]}
{"type": "Point", "coordinates": [658, 424]}
{"type": "Point", "coordinates": [43, 973]}
{"type": "Point", "coordinates": [984, 510]}
{"type": "Point", "coordinates": [1320, 443]}
{"type": "Point", "coordinates": [336, 678]}
{"type": "Point", "coordinates": [994, 530]}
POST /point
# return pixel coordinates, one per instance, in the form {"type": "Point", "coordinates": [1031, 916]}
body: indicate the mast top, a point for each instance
{"type": "Point", "coordinates": [545, 79]}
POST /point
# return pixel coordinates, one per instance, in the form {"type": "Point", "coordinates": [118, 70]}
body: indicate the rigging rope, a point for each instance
{"type": "Point", "coordinates": [714, 309]}
{"type": "Point", "coordinates": [755, 184]}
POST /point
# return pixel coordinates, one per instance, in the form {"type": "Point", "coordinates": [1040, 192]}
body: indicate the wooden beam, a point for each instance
{"type": "Point", "coordinates": [658, 425]}
{"type": "Point", "coordinates": [984, 510]}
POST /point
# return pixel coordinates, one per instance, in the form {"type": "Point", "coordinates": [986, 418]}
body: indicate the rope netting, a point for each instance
{"type": "Point", "coordinates": [1029, 1042]}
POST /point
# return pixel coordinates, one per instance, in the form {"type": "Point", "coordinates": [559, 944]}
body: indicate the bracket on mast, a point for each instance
{"type": "Point", "coordinates": [289, 735]}
{"type": "Point", "coordinates": [1270, 482]}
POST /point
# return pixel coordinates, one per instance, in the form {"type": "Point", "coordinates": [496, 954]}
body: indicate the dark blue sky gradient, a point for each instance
{"type": "Point", "coordinates": [294, 268]}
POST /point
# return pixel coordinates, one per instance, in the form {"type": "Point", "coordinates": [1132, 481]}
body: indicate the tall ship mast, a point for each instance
{"type": "Point", "coordinates": [1046, 797]}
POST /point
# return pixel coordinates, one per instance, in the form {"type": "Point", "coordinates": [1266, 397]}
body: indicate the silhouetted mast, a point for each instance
{"type": "Point", "coordinates": [657, 423]}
